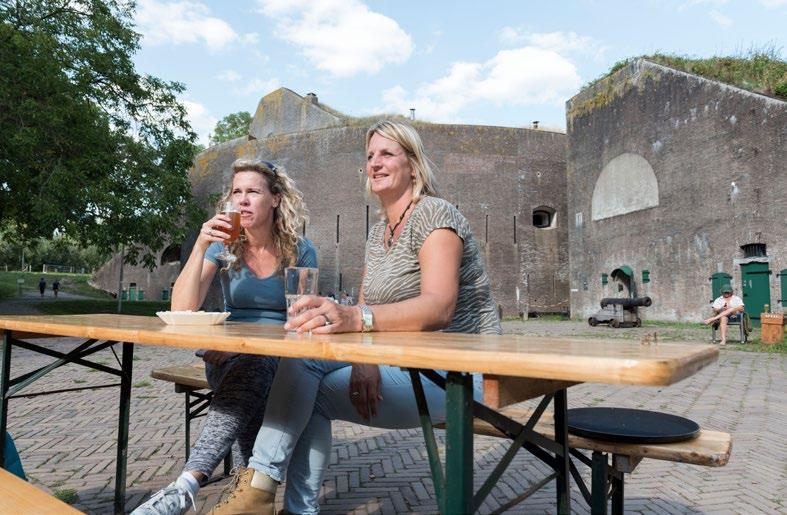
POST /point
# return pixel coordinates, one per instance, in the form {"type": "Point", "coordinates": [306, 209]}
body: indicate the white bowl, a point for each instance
{"type": "Point", "coordinates": [192, 317]}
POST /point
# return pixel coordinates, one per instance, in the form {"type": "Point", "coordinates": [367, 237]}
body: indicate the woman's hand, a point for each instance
{"type": "Point", "coordinates": [321, 315]}
{"type": "Point", "coordinates": [217, 357]}
{"type": "Point", "coordinates": [217, 228]}
{"type": "Point", "coordinates": [365, 389]}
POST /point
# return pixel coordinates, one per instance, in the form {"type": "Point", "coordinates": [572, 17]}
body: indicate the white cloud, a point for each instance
{"type": "Point", "coordinates": [722, 21]}
{"type": "Point", "coordinates": [182, 22]}
{"type": "Point", "coordinates": [342, 37]}
{"type": "Point", "coordinates": [527, 75]}
{"type": "Point", "coordinates": [559, 41]}
{"type": "Point", "coordinates": [257, 86]}
{"type": "Point", "coordinates": [773, 3]}
{"type": "Point", "coordinates": [229, 76]}
{"type": "Point", "coordinates": [691, 3]}
{"type": "Point", "coordinates": [251, 38]}
{"type": "Point", "coordinates": [202, 121]}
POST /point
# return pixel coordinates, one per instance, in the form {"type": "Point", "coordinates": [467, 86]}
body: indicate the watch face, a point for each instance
{"type": "Point", "coordinates": [367, 318]}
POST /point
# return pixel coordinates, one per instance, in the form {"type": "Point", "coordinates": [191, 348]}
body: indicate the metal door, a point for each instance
{"type": "Point", "coordinates": [756, 288]}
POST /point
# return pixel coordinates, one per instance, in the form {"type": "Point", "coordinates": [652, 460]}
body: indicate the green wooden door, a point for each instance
{"type": "Point", "coordinates": [783, 281]}
{"type": "Point", "coordinates": [718, 280]}
{"type": "Point", "coordinates": [756, 288]}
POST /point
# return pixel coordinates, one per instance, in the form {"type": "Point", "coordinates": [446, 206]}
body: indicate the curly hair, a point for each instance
{"type": "Point", "coordinates": [288, 217]}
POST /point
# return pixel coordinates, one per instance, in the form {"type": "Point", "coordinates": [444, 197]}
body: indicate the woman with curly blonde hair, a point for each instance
{"type": "Point", "coordinates": [271, 214]}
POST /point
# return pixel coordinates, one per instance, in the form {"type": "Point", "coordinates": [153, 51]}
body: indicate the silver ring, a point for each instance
{"type": "Point", "coordinates": [355, 394]}
{"type": "Point", "coordinates": [327, 320]}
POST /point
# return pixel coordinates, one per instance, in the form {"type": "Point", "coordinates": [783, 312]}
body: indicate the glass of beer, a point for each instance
{"type": "Point", "coordinates": [229, 210]}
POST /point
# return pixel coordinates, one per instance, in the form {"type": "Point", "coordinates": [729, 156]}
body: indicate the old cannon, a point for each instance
{"type": "Point", "coordinates": [620, 312]}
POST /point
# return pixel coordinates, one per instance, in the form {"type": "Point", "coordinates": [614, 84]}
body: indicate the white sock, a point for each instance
{"type": "Point", "coordinates": [188, 482]}
{"type": "Point", "coordinates": [264, 482]}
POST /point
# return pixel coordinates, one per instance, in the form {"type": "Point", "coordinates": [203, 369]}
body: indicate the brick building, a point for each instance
{"type": "Point", "coordinates": [681, 179]}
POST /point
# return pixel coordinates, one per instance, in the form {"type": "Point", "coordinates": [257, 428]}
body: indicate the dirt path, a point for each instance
{"type": "Point", "coordinates": [27, 303]}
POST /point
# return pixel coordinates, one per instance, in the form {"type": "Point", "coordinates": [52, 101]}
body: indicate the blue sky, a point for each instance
{"type": "Point", "coordinates": [491, 62]}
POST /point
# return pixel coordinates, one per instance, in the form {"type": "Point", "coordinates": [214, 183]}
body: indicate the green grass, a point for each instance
{"type": "Point", "coordinates": [762, 71]}
{"type": "Point", "coordinates": [78, 307]}
{"type": "Point", "coordinates": [676, 325]}
{"type": "Point", "coordinates": [756, 345]}
{"type": "Point", "coordinates": [142, 384]}
{"type": "Point", "coordinates": [759, 70]}
{"type": "Point", "coordinates": [67, 495]}
{"type": "Point", "coordinates": [69, 283]}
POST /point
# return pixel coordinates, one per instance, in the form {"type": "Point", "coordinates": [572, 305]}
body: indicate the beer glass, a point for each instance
{"type": "Point", "coordinates": [228, 209]}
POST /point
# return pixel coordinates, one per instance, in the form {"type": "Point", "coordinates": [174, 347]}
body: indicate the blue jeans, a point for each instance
{"type": "Point", "coordinates": [295, 437]}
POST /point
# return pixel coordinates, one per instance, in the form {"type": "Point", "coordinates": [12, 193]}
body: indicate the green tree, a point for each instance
{"type": "Point", "coordinates": [91, 148]}
{"type": "Point", "coordinates": [232, 126]}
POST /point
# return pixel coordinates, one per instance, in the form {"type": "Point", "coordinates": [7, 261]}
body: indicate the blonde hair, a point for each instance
{"type": "Point", "coordinates": [288, 217]}
{"type": "Point", "coordinates": [424, 182]}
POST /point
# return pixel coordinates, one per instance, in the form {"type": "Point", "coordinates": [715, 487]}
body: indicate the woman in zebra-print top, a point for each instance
{"type": "Point", "coordinates": [423, 272]}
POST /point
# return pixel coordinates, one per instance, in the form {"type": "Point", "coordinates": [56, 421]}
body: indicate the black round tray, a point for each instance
{"type": "Point", "coordinates": [630, 425]}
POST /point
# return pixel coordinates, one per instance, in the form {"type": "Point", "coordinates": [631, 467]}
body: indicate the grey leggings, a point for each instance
{"type": "Point", "coordinates": [240, 390]}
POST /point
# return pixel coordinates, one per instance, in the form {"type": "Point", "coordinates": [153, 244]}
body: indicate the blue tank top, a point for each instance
{"type": "Point", "coordinates": [256, 299]}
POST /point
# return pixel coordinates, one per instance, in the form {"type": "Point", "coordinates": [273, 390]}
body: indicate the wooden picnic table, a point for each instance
{"type": "Point", "coordinates": [562, 360]}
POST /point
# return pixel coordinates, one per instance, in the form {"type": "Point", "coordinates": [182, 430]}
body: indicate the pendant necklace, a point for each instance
{"type": "Point", "coordinates": [393, 229]}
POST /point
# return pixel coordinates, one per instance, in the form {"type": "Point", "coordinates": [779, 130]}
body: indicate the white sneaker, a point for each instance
{"type": "Point", "coordinates": [170, 500]}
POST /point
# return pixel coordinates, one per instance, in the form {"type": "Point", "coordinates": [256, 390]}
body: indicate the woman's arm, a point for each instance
{"type": "Point", "coordinates": [433, 308]}
{"type": "Point", "coordinates": [192, 284]}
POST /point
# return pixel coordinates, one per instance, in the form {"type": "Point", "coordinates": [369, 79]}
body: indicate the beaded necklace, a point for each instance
{"type": "Point", "coordinates": [393, 229]}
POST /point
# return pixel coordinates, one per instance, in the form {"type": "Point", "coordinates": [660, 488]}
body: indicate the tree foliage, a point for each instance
{"type": "Point", "coordinates": [91, 148]}
{"type": "Point", "coordinates": [59, 250]}
{"type": "Point", "coordinates": [232, 126]}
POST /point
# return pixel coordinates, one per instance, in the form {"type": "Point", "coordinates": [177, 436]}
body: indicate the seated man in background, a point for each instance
{"type": "Point", "coordinates": [725, 307]}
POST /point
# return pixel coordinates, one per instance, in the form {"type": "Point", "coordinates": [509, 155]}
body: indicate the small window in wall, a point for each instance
{"type": "Point", "coordinates": [604, 279]}
{"type": "Point", "coordinates": [543, 217]}
{"type": "Point", "coordinates": [754, 250]}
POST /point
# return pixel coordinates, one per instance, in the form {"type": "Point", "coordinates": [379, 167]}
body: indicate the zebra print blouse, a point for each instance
{"type": "Point", "coordinates": [395, 275]}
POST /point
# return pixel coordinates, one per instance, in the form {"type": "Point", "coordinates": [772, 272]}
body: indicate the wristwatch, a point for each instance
{"type": "Point", "coordinates": [367, 318]}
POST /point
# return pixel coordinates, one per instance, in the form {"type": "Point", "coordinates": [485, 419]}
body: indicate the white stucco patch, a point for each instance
{"type": "Point", "coordinates": [626, 184]}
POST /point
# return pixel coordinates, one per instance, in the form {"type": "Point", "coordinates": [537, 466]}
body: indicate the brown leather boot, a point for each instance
{"type": "Point", "coordinates": [241, 498]}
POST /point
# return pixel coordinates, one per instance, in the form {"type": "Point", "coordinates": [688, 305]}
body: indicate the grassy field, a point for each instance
{"type": "Point", "coordinates": [76, 307]}
{"type": "Point", "coordinates": [69, 283]}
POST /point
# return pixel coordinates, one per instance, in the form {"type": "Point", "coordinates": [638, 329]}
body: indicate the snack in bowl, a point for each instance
{"type": "Point", "coordinates": [192, 317]}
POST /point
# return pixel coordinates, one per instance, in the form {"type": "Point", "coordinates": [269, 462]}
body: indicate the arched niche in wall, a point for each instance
{"type": "Point", "coordinates": [626, 184]}
{"type": "Point", "coordinates": [171, 254]}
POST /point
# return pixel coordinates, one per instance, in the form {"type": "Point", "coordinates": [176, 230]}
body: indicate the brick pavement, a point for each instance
{"type": "Point", "coordinates": [67, 442]}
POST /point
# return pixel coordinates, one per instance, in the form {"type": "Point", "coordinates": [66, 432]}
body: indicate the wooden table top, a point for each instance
{"type": "Point", "coordinates": [568, 359]}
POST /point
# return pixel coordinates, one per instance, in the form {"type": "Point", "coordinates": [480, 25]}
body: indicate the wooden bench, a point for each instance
{"type": "Point", "coordinates": [19, 496]}
{"type": "Point", "coordinates": [710, 448]}
{"type": "Point", "coordinates": [189, 379]}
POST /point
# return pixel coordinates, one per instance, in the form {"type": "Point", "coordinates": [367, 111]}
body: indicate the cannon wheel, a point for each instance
{"type": "Point", "coordinates": [614, 323]}
{"type": "Point", "coordinates": [638, 322]}
{"type": "Point", "coordinates": [592, 321]}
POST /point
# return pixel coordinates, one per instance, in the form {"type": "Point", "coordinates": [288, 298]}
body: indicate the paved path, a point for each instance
{"type": "Point", "coordinates": [67, 442]}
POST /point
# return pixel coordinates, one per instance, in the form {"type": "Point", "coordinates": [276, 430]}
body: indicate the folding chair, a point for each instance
{"type": "Point", "coordinates": [740, 319]}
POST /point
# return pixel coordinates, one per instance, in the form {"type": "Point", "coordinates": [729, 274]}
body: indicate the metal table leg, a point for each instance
{"type": "Point", "coordinates": [562, 465]}
{"type": "Point", "coordinates": [123, 419]}
{"type": "Point", "coordinates": [5, 379]}
{"type": "Point", "coordinates": [459, 444]}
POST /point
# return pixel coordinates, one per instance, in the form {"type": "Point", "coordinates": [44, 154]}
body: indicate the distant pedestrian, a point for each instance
{"type": "Point", "coordinates": [42, 286]}
{"type": "Point", "coordinates": [56, 286]}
